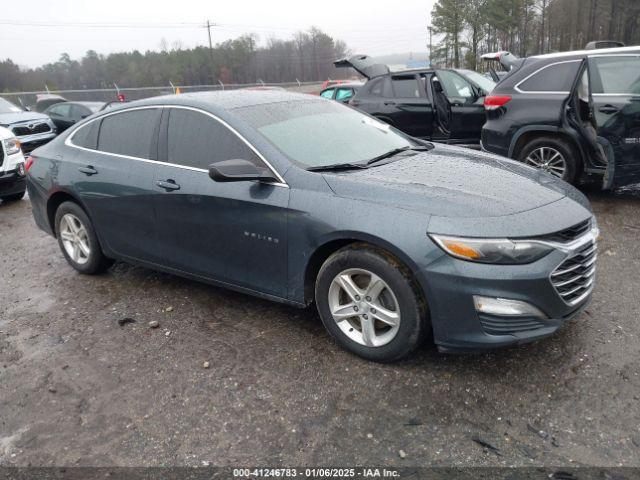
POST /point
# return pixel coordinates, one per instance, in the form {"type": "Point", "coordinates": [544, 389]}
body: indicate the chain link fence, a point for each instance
{"type": "Point", "coordinates": [28, 99]}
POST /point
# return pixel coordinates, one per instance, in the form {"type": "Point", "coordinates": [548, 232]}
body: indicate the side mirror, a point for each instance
{"type": "Point", "coordinates": [238, 170]}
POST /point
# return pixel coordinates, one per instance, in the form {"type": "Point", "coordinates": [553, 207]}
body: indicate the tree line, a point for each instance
{"type": "Point", "coordinates": [307, 56]}
{"type": "Point", "coordinates": [468, 28]}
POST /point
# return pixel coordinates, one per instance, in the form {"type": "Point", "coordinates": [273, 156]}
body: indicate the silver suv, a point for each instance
{"type": "Point", "coordinates": [32, 129]}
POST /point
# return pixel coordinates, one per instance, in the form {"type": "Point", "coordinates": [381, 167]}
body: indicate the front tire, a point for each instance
{"type": "Point", "coordinates": [370, 303]}
{"type": "Point", "coordinates": [553, 155]}
{"type": "Point", "coordinates": [78, 241]}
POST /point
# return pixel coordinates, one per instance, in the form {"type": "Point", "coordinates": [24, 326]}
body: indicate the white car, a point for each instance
{"type": "Point", "coordinates": [12, 171]}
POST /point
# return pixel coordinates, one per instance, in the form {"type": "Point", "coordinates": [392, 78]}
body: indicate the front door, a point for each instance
{"type": "Point", "coordinates": [615, 102]}
{"type": "Point", "coordinates": [233, 232]}
{"type": "Point", "coordinates": [467, 114]}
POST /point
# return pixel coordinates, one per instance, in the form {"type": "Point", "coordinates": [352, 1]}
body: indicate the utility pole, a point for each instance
{"type": "Point", "coordinates": [209, 25]}
{"type": "Point", "coordinates": [430, 44]}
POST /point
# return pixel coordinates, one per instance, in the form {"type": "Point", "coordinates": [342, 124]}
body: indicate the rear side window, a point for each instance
{"type": "Point", "coordinates": [87, 136]}
{"type": "Point", "coordinates": [197, 140]}
{"type": "Point", "coordinates": [616, 75]}
{"type": "Point", "coordinates": [406, 87]}
{"type": "Point", "coordinates": [556, 78]}
{"type": "Point", "coordinates": [129, 133]}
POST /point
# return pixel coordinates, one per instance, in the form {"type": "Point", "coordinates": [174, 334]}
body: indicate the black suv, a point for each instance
{"type": "Point", "coordinates": [573, 114]}
{"type": "Point", "coordinates": [442, 105]}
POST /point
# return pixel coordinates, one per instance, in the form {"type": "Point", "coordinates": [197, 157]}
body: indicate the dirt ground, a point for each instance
{"type": "Point", "coordinates": [77, 388]}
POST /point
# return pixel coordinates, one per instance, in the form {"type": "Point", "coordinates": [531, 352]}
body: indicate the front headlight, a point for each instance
{"type": "Point", "coordinates": [11, 146]}
{"type": "Point", "coordinates": [495, 251]}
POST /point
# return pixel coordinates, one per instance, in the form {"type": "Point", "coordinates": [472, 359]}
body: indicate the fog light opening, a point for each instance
{"type": "Point", "coordinates": [506, 308]}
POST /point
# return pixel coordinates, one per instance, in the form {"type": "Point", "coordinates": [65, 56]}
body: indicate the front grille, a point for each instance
{"type": "Point", "coordinates": [494, 325]}
{"type": "Point", "coordinates": [573, 279]}
{"type": "Point", "coordinates": [24, 130]}
{"type": "Point", "coordinates": [569, 234]}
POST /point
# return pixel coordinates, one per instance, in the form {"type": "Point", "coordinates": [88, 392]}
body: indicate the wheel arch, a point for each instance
{"type": "Point", "coordinates": [340, 240]}
{"type": "Point", "coordinates": [532, 132]}
{"type": "Point", "coordinates": [54, 201]}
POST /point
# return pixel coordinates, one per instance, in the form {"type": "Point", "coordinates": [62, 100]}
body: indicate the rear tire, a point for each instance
{"type": "Point", "coordinates": [78, 241]}
{"type": "Point", "coordinates": [13, 198]}
{"type": "Point", "coordinates": [371, 304]}
{"type": "Point", "coordinates": [552, 154]}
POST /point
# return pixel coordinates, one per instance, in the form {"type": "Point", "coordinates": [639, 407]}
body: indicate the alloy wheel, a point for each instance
{"type": "Point", "coordinates": [549, 160]}
{"type": "Point", "coordinates": [75, 239]}
{"type": "Point", "coordinates": [364, 307]}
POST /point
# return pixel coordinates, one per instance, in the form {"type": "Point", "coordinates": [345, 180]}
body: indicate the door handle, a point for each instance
{"type": "Point", "coordinates": [608, 109]}
{"type": "Point", "coordinates": [390, 103]}
{"type": "Point", "coordinates": [88, 170]}
{"type": "Point", "coordinates": [169, 185]}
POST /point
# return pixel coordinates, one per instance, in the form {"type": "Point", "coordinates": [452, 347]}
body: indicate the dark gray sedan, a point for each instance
{"type": "Point", "coordinates": [299, 199]}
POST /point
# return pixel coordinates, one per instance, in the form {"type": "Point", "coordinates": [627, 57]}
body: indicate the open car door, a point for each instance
{"type": "Point", "coordinates": [615, 105]}
{"type": "Point", "coordinates": [364, 65]}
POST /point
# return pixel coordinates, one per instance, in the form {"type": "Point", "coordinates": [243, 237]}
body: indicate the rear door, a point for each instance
{"type": "Point", "coordinates": [410, 110]}
{"type": "Point", "coordinates": [467, 114]}
{"type": "Point", "coordinates": [113, 173]}
{"type": "Point", "coordinates": [615, 97]}
{"type": "Point", "coordinates": [232, 232]}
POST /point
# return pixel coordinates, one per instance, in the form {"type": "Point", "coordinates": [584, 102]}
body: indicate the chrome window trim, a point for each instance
{"type": "Point", "coordinates": [68, 141]}
{"type": "Point", "coordinates": [536, 92]}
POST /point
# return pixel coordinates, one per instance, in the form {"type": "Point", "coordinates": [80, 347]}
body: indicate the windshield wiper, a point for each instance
{"type": "Point", "coordinates": [337, 166]}
{"type": "Point", "coordinates": [396, 151]}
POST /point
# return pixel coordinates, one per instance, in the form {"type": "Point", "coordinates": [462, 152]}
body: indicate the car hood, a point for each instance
{"type": "Point", "coordinates": [456, 183]}
{"type": "Point", "coordinates": [19, 117]}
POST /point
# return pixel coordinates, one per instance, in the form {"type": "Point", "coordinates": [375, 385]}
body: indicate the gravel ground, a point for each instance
{"type": "Point", "coordinates": [77, 388]}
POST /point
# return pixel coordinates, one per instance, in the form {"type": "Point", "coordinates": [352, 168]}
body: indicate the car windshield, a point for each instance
{"type": "Point", "coordinates": [318, 133]}
{"type": "Point", "coordinates": [8, 107]}
{"type": "Point", "coordinates": [480, 80]}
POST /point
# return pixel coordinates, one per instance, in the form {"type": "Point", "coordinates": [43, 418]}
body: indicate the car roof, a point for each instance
{"type": "Point", "coordinates": [222, 100]}
{"type": "Point", "coordinates": [578, 53]}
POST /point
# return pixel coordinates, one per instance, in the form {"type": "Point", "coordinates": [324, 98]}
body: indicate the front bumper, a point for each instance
{"type": "Point", "coordinates": [11, 183]}
{"type": "Point", "coordinates": [450, 285]}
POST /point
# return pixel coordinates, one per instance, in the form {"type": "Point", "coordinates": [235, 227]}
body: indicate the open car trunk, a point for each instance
{"type": "Point", "coordinates": [364, 65]}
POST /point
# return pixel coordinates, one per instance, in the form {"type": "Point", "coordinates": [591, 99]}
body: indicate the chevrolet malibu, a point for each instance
{"type": "Point", "coordinates": [299, 199]}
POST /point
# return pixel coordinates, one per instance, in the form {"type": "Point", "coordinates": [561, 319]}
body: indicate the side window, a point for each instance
{"type": "Point", "coordinates": [197, 140]}
{"type": "Point", "coordinates": [455, 87]}
{"type": "Point", "coordinates": [129, 133]}
{"type": "Point", "coordinates": [344, 93]}
{"type": "Point", "coordinates": [557, 77]}
{"type": "Point", "coordinates": [61, 110]}
{"type": "Point", "coordinates": [616, 75]}
{"type": "Point", "coordinates": [375, 90]}
{"type": "Point", "coordinates": [87, 135]}
{"type": "Point", "coordinates": [406, 87]}
{"type": "Point", "coordinates": [327, 93]}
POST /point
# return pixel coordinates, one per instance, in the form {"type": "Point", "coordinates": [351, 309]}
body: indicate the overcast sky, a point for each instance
{"type": "Point", "coordinates": [371, 27]}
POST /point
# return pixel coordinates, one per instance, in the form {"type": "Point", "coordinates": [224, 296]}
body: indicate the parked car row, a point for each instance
{"type": "Point", "coordinates": [575, 115]}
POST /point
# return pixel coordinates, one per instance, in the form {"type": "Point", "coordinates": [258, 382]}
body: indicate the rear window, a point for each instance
{"type": "Point", "coordinates": [129, 133]}
{"type": "Point", "coordinates": [406, 87]}
{"type": "Point", "coordinates": [556, 78]}
{"type": "Point", "coordinates": [87, 136]}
